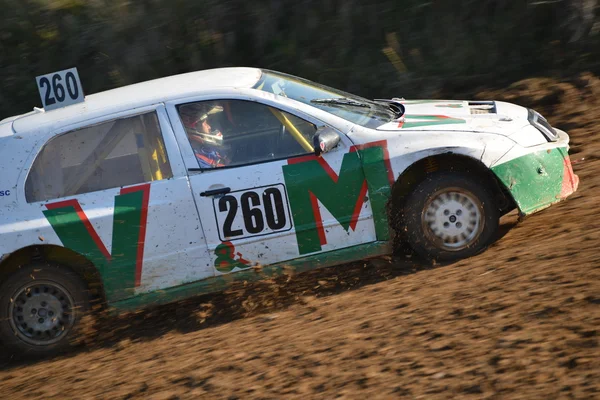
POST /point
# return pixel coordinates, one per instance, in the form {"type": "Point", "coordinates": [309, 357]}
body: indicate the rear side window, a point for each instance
{"type": "Point", "coordinates": [112, 154]}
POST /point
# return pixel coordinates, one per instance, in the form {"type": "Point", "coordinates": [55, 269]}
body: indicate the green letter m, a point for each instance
{"type": "Point", "coordinates": [310, 180]}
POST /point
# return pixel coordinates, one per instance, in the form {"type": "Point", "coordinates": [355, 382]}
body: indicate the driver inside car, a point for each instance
{"type": "Point", "coordinates": [207, 143]}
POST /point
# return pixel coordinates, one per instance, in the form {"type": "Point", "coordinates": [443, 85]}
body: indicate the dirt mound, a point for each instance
{"type": "Point", "coordinates": [520, 320]}
{"type": "Point", "coordinates": [573, 106]}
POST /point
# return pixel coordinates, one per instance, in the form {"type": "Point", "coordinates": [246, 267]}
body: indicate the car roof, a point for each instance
{"type": "Point", "coordinates": [137, 95]}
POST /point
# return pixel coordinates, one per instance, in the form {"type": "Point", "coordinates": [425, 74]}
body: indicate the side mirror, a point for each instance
{"type": "Point", "coordinates": [324, 140]}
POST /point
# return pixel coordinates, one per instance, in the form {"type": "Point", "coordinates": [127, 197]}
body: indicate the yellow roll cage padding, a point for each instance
{"type": "Point", "coordinates": [151, 155]}
{"type": "Point", "coordinates": [293, 130]}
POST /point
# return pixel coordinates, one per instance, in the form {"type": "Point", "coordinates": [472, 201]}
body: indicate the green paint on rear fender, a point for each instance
{"type": "Point", "coordinates": [118, 271]}
{"type": "Point", "coordinates": [534, 180]}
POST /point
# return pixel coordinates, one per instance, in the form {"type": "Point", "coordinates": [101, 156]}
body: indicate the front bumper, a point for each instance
{"type": "Point", "coordinates": [538, 179]}
{"type": "Point", "coordinates": [570, 181]}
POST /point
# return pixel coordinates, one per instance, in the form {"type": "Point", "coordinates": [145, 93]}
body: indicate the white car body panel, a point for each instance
{"type": "Point", "coordinates": [183, 235]}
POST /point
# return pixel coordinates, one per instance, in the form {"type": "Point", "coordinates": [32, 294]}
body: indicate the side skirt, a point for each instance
{"type": "Point", "coordinates": [222, 282]}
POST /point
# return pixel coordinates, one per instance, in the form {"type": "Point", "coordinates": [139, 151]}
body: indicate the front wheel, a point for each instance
{"type": "Point", "coordinates": [40, 307]}
{"type": "Point", "coordinates": [449, 216]}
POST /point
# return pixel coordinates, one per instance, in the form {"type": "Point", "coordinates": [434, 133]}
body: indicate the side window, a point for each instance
{"type": "Point", "coordinates": [237, 132]}
{"type": "Point", "coordinates": [112, 154]}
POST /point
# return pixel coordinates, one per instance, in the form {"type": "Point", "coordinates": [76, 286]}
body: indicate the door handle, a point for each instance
{"type": "Point", "coordinates": [214, 192]}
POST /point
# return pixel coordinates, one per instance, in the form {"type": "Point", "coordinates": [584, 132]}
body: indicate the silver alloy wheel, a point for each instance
{"type": "Point", "coordinates": [41, 312]}
{"type": "Point", "coordinates": [453, 218]}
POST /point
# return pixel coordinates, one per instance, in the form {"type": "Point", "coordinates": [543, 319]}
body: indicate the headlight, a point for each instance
{"type": "Point", "coordinates": [536, 119]}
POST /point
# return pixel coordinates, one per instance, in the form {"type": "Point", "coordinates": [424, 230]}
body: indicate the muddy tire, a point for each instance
{"type": "Point", "coordinates": [41, 306]}
{"type": "Point", "coordinates": [449, 216]}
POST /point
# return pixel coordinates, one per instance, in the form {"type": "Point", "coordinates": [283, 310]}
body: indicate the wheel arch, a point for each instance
{"type": "Point", "coordinates": [70, 259]}
{"type": "Point", "coordinates": [446, 160]}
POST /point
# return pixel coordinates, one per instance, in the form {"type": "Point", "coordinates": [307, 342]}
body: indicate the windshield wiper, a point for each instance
{"type": "Point", "coordinates": [341, 101]}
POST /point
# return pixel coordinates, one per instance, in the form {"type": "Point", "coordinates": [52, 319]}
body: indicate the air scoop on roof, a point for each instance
{"type": "Point", "coordinates": [482, 107]}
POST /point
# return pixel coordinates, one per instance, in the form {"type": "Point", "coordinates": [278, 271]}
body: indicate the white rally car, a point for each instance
{"type": "Point", "coordinates": [178, 186]}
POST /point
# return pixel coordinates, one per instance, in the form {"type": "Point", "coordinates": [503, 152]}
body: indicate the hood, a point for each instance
{"type": "Point", "coordinates": [494, 117]}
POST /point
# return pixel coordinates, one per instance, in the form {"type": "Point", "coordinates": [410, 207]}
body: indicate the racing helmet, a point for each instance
{"type": "Point", "coordinates": [196, 120]}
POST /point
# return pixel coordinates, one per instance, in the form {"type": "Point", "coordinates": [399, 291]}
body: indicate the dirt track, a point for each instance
{"type": "Point", "coordinates": [518, 321]}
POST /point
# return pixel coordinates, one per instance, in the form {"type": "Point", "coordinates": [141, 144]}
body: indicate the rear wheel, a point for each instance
{"type": "Point", "coordinates": [40, 308]}
{"type": "Point", "coordinates": [449, 216]}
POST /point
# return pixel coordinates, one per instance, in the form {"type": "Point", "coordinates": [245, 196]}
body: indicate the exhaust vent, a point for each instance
{"type": "Point", "coordinates": [482, 107]}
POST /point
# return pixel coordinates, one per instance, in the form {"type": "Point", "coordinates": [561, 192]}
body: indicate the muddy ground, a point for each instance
{"type": "Point", "coordinates": [521, 320]}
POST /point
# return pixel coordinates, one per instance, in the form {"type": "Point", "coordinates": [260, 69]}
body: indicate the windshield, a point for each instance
{"type": "Point", "coordinates": [352, 108]}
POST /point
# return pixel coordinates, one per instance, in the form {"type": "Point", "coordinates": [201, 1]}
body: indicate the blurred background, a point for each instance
{"type": "Point", "coordinates": [410, 48]}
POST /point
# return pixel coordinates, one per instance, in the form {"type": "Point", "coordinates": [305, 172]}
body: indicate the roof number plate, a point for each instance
{"type": "Point", "coordinates": [60, 89]}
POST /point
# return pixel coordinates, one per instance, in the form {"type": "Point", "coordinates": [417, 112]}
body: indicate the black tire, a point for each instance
{"type": "Point", "coordinates": [457, 197]}
{"type": "Point", "coordinates": [41, 306]}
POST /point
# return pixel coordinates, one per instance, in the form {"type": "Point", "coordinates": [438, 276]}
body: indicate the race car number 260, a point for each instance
{"type": "Point", "coordinates": [60, 89]}
{"type": "Point", "coordinates": [252, 212]}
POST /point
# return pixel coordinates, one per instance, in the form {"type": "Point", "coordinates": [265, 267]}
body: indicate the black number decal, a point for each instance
{"type": "Point", "coordinates": [231, 211]}
{"type": "Point", "coordinates": [59, 90]}
{"type": "Point", "coordinates": [263, 210]}
{"type": "Point", "coordinates": [275, 218]}
{"type": "Point", "coordinates": [48, 99]}
{"type": "Point", "coordinates": [72, 87]}
{"type": "Point", "coordinates": [253, 217]}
